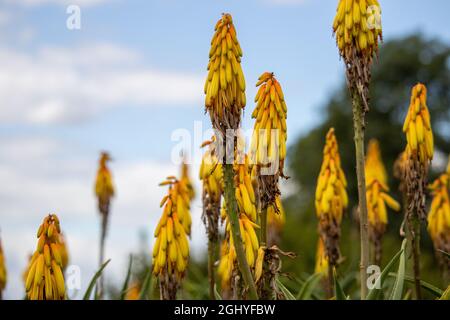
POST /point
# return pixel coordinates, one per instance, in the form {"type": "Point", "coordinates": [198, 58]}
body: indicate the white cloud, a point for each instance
{"type": "Point", "coordinates": [39, 179]}
{"type": "Point", "coordinates": [57, 85]}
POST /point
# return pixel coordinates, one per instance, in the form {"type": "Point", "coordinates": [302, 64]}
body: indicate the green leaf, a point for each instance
{"type": "Point", "coordinates": [308, 286]}
{"type": "Point", "coordinates": [446, 294]}
{"type": "Point", "coordinates": [287, 294]}
{"type": "Point", "coordinates": [216, 293]}
{"type": "Point", "coordinates": [427, 286]}
{"type": "Point", "coordinates": [445, 253]}
{"type": "Point", "coordinates": [143, 295]}
{"type": "Point", "coordinates": [338, 292]}
{"type": "Point", "coordinates": [397, 290]}
{"type": "Point", "coordinates": [127, 279]}
{"type": "Point", "coordinates": [373, 294]}
{"type": "Point", "coordinates": [94, 280]}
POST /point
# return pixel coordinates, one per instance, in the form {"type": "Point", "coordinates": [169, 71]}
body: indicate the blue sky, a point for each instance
{"type": "Point", "coordinates": [124, 82]}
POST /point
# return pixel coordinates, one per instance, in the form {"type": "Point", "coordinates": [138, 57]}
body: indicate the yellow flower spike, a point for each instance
{"type": "Point", "coordinates": [357, 26]}
{"type": "Point", "coordinates": [321, 259]}
{"type": "Point", "coordinates": [44, 276]}
{"type": "Point", "coordinates": [211, 173]}
{"type": "Point", "coordinates": [3, 273]}
{"type": "Point", "coordinates": [331, 196]}
{"type": "Point", "coordinates": [225, 83]}
{"type": "Point", "coordinates": [171, 248]}
{"type": "Point", "coordinates": [417, 126]}
{"type": "Point", "coordinates": [270, 114]}
{"type": "Point", "coordinates": [439, 214]}
{"type": "Point", "coordinates": [104, 188]}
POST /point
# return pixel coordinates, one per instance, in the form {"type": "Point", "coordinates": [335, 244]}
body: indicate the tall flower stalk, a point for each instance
{"type": "Point", "coordinates": [357, 28]}
{"type": "Point", "coordinates": [419, 153]}
{"type": "Point", "coordinates": [331, 200]}
{"type": "Point", "coordinates": [45, 278]}
{"type": "Point", "coordinates": [211, 175]}
{"type": "Point", "coordinates": [104, 190]}
{"type": "Point", "coordinates": [171, 247]}
{"type": "Point", "coordinates": [268, 152]}
{"type": "Point", "coordinates": [225, 99]}
{"type": "Point", "coordinates": [2, 271]}
{"type": "Point", "coordinates": [439, 218]}
{"type": "Point", "coordinates": [378, 199]}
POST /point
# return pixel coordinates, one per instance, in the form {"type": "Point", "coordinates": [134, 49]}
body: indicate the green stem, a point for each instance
{"type": "Point", "coordinates": [263, 227]}
{"type": "Point", "coordinates": [415, 245]}
{"type": "Point", "coordinates": [232, 212]}
{"type": "Point", "coordinates": [358, 124]}
{"type": "Point", "coordinates": [211, 260]}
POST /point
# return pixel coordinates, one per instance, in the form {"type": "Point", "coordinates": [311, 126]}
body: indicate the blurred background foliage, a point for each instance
{"type": "Point", "coordinates": [401, 64]}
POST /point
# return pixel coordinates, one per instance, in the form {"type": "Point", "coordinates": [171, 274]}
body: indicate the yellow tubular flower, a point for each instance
{"type": "Point", "coordinates": [171, 247]}
{"type": "Point", "coordinates": [2, 271]}
{"type": "Point", "coordinates": [417, 126]}
{"type": "Point", "coordinates": [64, 251]}
{"type": "Point", "coordinates": [321, 258]}
{"type": "Point", "coordinates": [377, 188]}
{"type": "Point", "coordinates": [331, 196]}
{"type": "Point", "coordinates": [439, 214]}
{"type": "Point", "coordinates": [357, 26]}
{"type": "Point", "coordinates": [104, 188]}
{"type": "Point", "coordinates": [133, 292]}
{"type": "Point", "coordinates": [225, 83]}
{"type": "Point", "coordinates": [45, 278]}
{"type": "Point", "coordinates": [211, 173]}
{"type": "Point", "coordinates": [245, 196]}
{"type": "Point", "coordinates": [187, 181]}
{"type": "Point", "coordinates": [270, 114]}
{"type": "Point", "coordinates": [276, 220]}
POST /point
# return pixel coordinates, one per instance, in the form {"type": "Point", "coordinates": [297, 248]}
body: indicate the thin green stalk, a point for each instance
{"type": "Point", "coordinates": [415, 246]}
{"type": "Point", "coordinates": [330, 282]}
{"type": "Point", "coordinates": [211, 260]}
{"type": "Point", "coordinates": [358, 124]}
{"type": "Point", "coordinates": [263, 227]}
{"type": "Point", "coordinates": [232, 212]}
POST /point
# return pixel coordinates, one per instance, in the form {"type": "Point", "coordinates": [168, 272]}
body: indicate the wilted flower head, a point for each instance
{"type": "Point", "coordinates": [171, 247]}
{"type": "Point", "coordinates": [439, 214]}
{"type": "Point", "coordinates": [225, 83]}
{"type": "Point", "coordinates": [2, 270]}
{"type": "Point", "coordinates": [357, 27]}
{"type": "Point", "coordinates": [417, 126]}
{"type": "Point", "coordinates": [331, 197]}
{"type": "Point", "coordinates": [104, 188]}
{"type": "Point", "coordinates": [45, 279]}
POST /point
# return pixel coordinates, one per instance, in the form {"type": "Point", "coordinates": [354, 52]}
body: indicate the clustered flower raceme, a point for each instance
{"type": "Point", "coordinates": [321, 258]}
{"type": "Point", "coordinates": [104, 188]}
{"type": "Point", "coordinates": [211, 176]}
{"type": "Point", "coordinates": [171, 248]}
{"type": "Point", "coordinates": [377, 196]}
{"type": "Point", "coordinates": [246, 201]}
{"type": "Point", "coordinates": [2, 271]}
{"type": "Point", "coordinates": [270, 114]}
{"type": "Point", "coordinates": [417, 126]}
{"type": "Point", "coordinates": [225, 83]}
{"type": "Point", "coordinates": [331, 197]}
{"type": "Point", "coordinates": [439, 214]}
{"type": "Point", "coordinates": [45, 279]}
{"type": "Point", "coordinates": [418, 152]}
{"type": "Point", "coordinates": [355, 26]}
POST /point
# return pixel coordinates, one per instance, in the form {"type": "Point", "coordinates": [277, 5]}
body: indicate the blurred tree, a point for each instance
{"type": "Point", "coordinates": [401, 64]}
